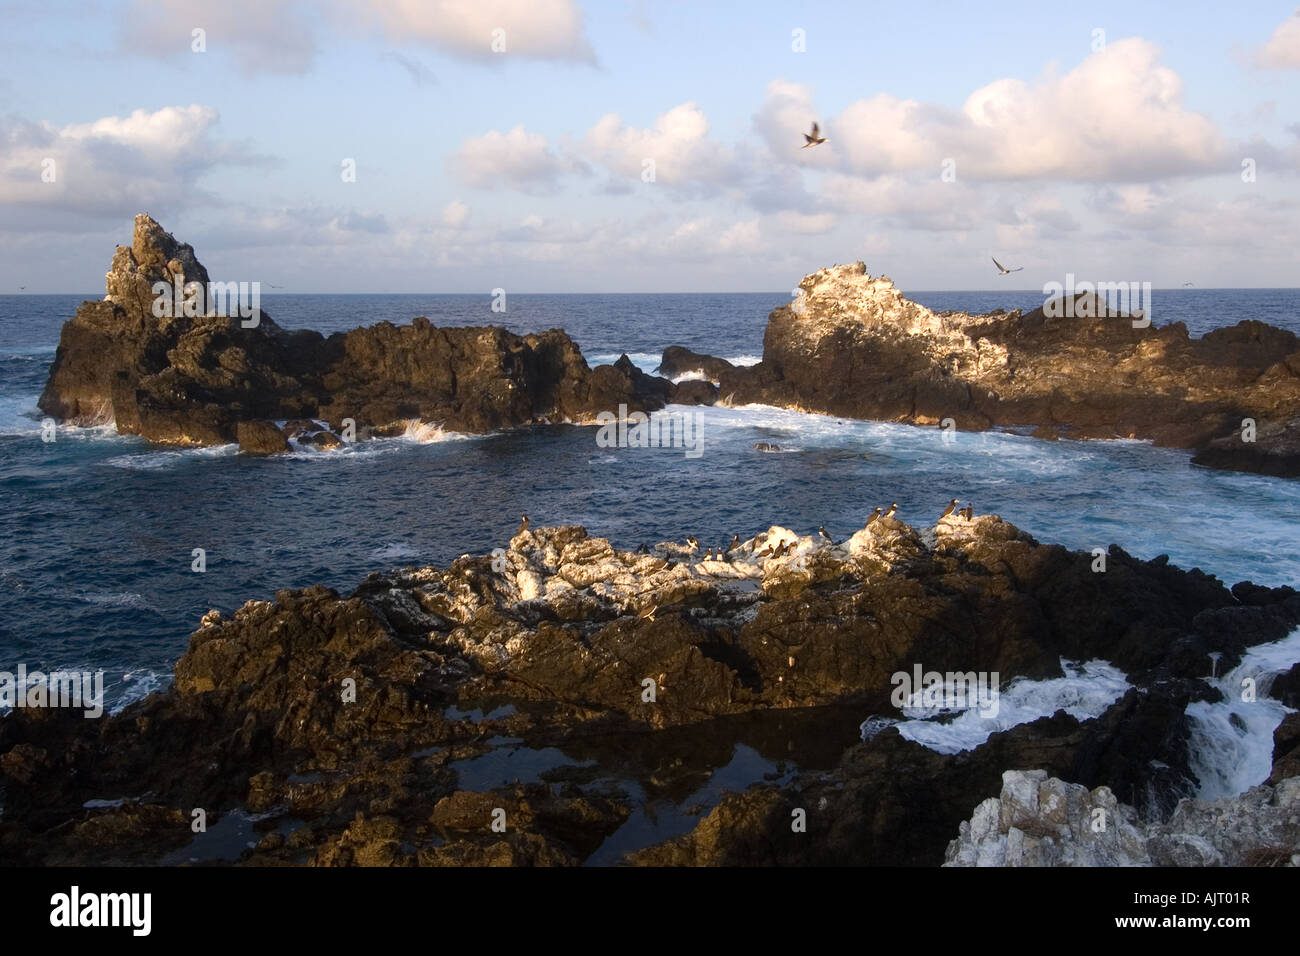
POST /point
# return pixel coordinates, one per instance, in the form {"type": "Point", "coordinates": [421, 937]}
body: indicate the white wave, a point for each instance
{"type": "Point", "coordinates": [114, 599]}
{"type": "Point", "coordinates": [1232, 741]}
{"type": "Point", "coordinates": [427, 433]}
{"type": "Point", "coordinates": [745, 360]}
{"type": "Point", "coordinates": [156, 460]}
{"type": "Point", "coordinates": [19, 415]}
{"type": "Point", "coordinates": [394, 550]}
{"type": "Point", "coordinates": [1086, 691]}
{"type": "Point", "coordinates": [135, 685]}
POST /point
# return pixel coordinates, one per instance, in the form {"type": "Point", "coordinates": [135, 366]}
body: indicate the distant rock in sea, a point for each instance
{"type": "Point", "coordinates": [192, 377]}
{"type": "Point", "coordinates": [852, 345]}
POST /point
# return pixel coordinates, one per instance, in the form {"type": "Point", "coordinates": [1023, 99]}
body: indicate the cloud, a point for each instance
{"type": "Point", "coordinates": [516, 160]}
{"type": "Point", "coordinates": [281, 36]}
{"type": "Point", "coordinates": [265, 36]}
{"type": "Point", "coordinates": [1117, 116]}
{"type": "Point", "coordinates": [537, 29]}
{"type": "Point", "coordinates": [678, 145]}
{"type": "Point", "coordinates": [116, 165]}
{"type": "Point", "coordinates": [1282, 50]}
{"type": "Point", "coordinates": [455, 214]}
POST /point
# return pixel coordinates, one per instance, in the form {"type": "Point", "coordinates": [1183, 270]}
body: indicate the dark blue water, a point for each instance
{"type": "Point", "coordinates": [96, 530]}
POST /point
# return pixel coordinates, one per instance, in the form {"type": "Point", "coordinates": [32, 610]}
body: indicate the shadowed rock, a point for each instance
{"type": "Point", "coordinates": [191, 377]}
{"type": "Point", "coordinates": [333, 715]}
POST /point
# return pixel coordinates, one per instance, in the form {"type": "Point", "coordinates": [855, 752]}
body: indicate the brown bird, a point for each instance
{"type": "Point", "coordinates": [968, 512]}
{"type": "Point", "coordinates": [523, 525]}
{"type": "Point", "coordinates": [647, 613]}
{"type": "Point", "coordinates": [948, 510]}
{"type": "Point", "coordinates": [890, 512]}
{"type": "Point", "coordinates": [735, 543]}
{"type": "Point", "coordinates": [874, 515]}
{"type": "Point", "coordinates": [815, 138]}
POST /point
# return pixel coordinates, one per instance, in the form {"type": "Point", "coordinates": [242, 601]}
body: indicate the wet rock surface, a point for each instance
{"type": "Point", "coordinates": [192, 376]}
{"type": "Point", "coordinates": [560, 702]}
{"type": "Point", "coordinates": [852, 345]}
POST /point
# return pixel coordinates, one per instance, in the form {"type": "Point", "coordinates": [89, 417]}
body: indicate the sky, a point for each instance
{"type": "Point", "coordinates": [461, 146]}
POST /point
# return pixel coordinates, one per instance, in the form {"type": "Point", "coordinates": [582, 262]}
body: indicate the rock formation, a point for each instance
{"type": "Point", "coordinates": [192, 376]}
{"type": "Point", "coordinates": [852, 345]}
{"type": "Point", "coordinates": [1042, 821]}
{"type": "Point", "coordinates": [343, 730]}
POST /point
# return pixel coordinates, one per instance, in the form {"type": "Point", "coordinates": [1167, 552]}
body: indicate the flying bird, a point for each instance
{"type": "Point", "coordinates": [815, 138]}
{"type": "Point", "coordinates": [1004, 271]}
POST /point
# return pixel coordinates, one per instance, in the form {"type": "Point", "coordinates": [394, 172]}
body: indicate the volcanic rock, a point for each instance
{"type": "Point", "coordinates": [192, 373]}
{"type": "Point", "coordinates": [852, 345]}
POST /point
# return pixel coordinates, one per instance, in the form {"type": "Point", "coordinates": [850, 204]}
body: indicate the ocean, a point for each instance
{"type": "Point", "coordinates": [97, 530]}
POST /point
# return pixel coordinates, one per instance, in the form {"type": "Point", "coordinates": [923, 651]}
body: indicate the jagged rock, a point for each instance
{"type": "Point", "coordinates": [317, 706]}
{"type": "Point", "coordinates": [190, 377]}
{"type": "Point", "coordinates": [851, 344]}
{"type": "Point", "coordinates": [1042, 821]}
{"type": "Point", "coordinates": [678, 361]}
{"type": "Point", "coordinates": [260, 438]}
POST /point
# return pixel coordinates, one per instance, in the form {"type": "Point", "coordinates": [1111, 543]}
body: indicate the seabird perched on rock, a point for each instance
{"type": "Point", "coordinates": [693, 542]}
{"type": "Point", "coordinates": [815, 138]}
{"type": "Point", "coordinates": [523, 525]}
{"type": "Point", "coordinates": [949, 510]}
{"type": "Point", "coordinates": [735, 543]}
{"type": "Point", "coordinates": [708, 555]}
{"type": "Point", "coordinates": [890, 512]}
{"type": "Point", "coordinates": [821, 530]}
{"type": "Point", "coordinates": [874, 515]}
{"type": "Point", "coordinates": [1004, 271]}
{"type": "Point", "coordinates": [968, 512]}
{"type": "Point", "coordinates": [647, 613]}
{"type": "Point", "coordinates": [643, 548]}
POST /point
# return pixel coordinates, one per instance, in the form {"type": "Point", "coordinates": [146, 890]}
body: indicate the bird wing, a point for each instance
{"type": "Point", "coordinates": [998, 264]}
{"type": "Point", "coordinates": [817, 131]}
{"type": "Point", "coordinates": [1017, 269]}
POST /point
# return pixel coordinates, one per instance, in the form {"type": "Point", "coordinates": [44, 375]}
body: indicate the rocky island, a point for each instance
{"type": "Point", "coordinates": [562, 702]}
{"type": "Point", "coordinates": [211, 379]}
{"type": "Point", "coordinates": [852, 345]}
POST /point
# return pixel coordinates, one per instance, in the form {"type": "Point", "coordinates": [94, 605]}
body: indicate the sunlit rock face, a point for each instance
{"type": "Point", "coordinates": [852, 344]}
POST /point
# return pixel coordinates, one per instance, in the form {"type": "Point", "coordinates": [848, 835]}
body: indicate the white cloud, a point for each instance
{"type": "Point", "coordinates": [1117, 116]}
{"type": "Point", "coordinates": [516, 160]}
{"type": "Point", "coordinates": [116, 165]}
{"type": "Point", "coordinates": [265, 36]}
{"type": "Point", "coordinates": [538, 29]}
{"type": "Point", "coordinates": [1283, 47]}
{"type": "Point", "coordinates": [678, 144]}
{"type": "Point", "coordinates": [455, 214]}
{"type": "Point", "coordinates": [280, 36]}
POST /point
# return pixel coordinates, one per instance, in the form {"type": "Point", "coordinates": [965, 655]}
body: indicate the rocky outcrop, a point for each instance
{"type": "Point", "coordinates": [1042, 821]}
{"type": "Point", "coordinates": [363, 729]}
{"type": "Point", "coordinates": [852, 345]}
{"type": "Point", "coordinates": [192, 376]}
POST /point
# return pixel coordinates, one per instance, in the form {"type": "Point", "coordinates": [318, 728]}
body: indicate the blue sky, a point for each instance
{"type": "Point", "coordinates": [1104, 139]}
